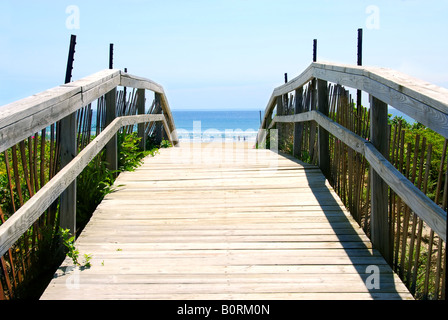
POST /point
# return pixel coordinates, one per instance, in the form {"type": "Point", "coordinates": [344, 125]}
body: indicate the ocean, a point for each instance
{"type": "Point", "coordinates": [229, 126]}
{"type": "Point", "coordinates": [207, 126]}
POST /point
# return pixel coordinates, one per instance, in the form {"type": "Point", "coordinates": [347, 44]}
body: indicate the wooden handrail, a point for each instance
{"type": "Point", "coordinates": [424, 207]}
{"type": "Point", "coordinates": [23, 118]}
{"type": "Point", "coordinates": [22, 219]}
{"type": "Point", "coordinates": [128, 80]}
{"type": "Point", "coordinates": [424, 102]}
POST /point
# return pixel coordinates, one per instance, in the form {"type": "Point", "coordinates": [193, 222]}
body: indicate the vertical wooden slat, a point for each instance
{"type": "Point", "coordinates": [438, 273]}
{"type": "Point", "coordinates": [392, 197]}
{"type": "Point", "coordinates": [51, 162]}
{"type": "Point", "coordinates": [443, 274]}
{"type": "Point", "coordinates": [35, 151]}
{"type": "Point", "coordinates": [42, 157]}
{"type": "Point", "coordinates": [445, 190]}
{"type": "Point", "coordinates": [8, 173]}
{"type": "Point", "coordinates": [4, 266]}
{"type": "Point", "coordinates": [414, 216]}
{"type": "Point", "coordinates": [30, 162]}
{"type": "Point", "coordinates": [7, 280]}
{"type": "Point", "coordinates": [98, 115]}
{"type": "Point", "coordinates": [149, 125]}
{"type": "Point", "coordinates": [428, 265]}
{"type": "Point", "coordinates": [20, 244]}
{"type": "Point", "coordinates": [399, 202]}
{"type": "Point", "coordinates": [25, 168]}
{"type": "Point", "coordinates": [405, 217]}
{"type": "Point", "coordinates": [141, 110]}
{"type": "Point", "coordinates": [441, 172]}
{"type": "Point", "coordinates": [89, 125]}
{"type": "Point", "coordinates": [16, 174]}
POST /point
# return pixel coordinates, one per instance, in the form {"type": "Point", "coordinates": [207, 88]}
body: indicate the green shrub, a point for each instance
{"type": "Point", "coordinates": [129, 154]}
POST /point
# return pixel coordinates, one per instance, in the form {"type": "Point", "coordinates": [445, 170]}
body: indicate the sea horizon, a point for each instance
{"type": "Point", "coordinates": [214, 125]}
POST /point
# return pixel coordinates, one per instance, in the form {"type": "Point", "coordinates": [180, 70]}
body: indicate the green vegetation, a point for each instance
{"type": "Point", "coordinates": [68, 240]}
{"type": "Point", "coordinates": [431, 138]}
{"type": "Point", "coordinates": [93, 184]}
{"type": "Point", "coordinates": [166, 144]}
{"type": "Point", "coordinates": [96, 181]}
{"type": "Point", "coordinates": [130, 155]}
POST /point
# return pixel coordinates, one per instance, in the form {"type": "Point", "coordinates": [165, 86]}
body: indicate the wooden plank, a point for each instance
{"type": "Point", "coordinates": [204, 278]}
{"type": "Point", "coordinates": [242, 241]}
{"type": "Point", "coordinates": [251, 296]}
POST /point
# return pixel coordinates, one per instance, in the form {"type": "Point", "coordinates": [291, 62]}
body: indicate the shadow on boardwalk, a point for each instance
{"type": "Point", "coordinates": [380, 280]}
{"type": "Point", "coordinates": [216, 223]}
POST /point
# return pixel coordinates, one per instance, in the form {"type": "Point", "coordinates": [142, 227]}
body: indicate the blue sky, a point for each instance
{"type": "Point", "coordinates": [215, 55]}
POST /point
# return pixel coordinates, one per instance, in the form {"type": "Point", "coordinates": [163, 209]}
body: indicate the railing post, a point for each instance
{"type": "Point", "coordinates": [379, 216]}
{"type": "Point", "coordinates": [158, 126]}
{"type": "Point", "coordinates": [111, 56]}
{"type": "Point", "coordinates": [68, 151]}
{"type": "Point", "coordinates": [279, 124]}
{"type": "Point", "coordinates": [298, 126]}
{"type": "Point", "coordinates": [141, 110]}
{"type": "Point", "coordinates": [323, 137]}
{"type": "Point", "coordinates": [111, 147]}
{"type": "Point", "coordinates": [268, 118]}
{"type": "Point", "coordinates": [359, 92]}
{"type": "Point", "coordinates": [312, 136]}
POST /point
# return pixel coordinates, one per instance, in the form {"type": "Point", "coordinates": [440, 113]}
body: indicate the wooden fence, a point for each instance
{"type": "Point", "coordinates": [45, 144]}
{"type": "Point", "coordinates": [382, 180]}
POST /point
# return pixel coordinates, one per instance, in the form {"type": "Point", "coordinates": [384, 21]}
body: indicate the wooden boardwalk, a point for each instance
{"type": "Point", "coordinates": [210, 222]}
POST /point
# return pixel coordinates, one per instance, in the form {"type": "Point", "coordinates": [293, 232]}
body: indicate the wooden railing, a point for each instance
{"type": "Point", "coordinates": [426, 103]}
{"type": "Point", "coordinates": [21, 119]}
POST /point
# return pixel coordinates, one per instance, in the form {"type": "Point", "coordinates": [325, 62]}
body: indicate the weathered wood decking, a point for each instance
{"type": "Point", "coordinates": [206, 222]}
